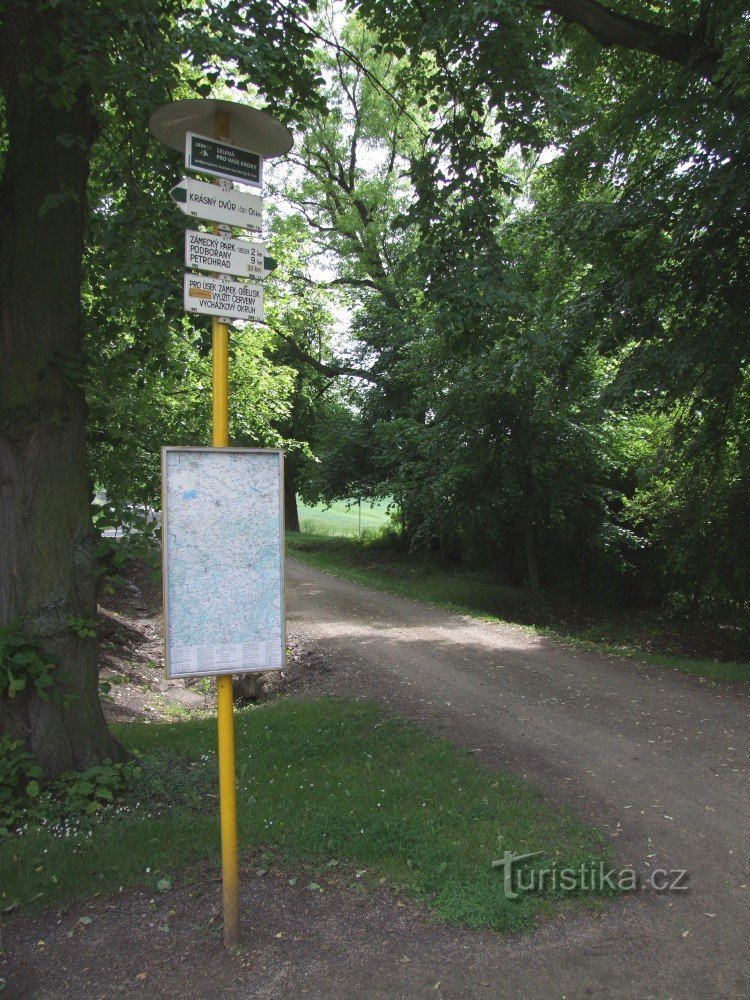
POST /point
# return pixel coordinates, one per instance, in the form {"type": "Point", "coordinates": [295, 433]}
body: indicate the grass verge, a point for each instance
{"type": "Point", "coordinates": [477, 593]}
{"type": "Point", "coordinates": [328, 785]}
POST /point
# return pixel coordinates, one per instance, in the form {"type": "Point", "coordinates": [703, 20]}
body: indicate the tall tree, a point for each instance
{"type": "Point", "coordinates": [647, 116]}
{"type": "Point", "coordinates": [61, 67]}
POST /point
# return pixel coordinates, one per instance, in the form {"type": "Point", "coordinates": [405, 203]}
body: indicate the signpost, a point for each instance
{"type": "Point", "coordinates": [255, 137]}
{"type": "Point", "coordinates": [215, 252]}
{"type": "Point", "coordinates": [228, 207]}
{"type": "Point", "coordinates": [220, 297]}
{"type": "Point", "coordinates": [223, 159]}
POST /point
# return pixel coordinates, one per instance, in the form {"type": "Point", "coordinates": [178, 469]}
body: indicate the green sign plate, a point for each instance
{"type": "Point", "coordinates": [221, 159]}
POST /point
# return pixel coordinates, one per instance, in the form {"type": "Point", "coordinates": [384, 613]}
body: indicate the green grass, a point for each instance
{"type": "Point", "coordinates": [342, 520]}
{"type": "Point", "coordinates": [477, 593]}
{"type": "Point", "coordinates": [324, 786]}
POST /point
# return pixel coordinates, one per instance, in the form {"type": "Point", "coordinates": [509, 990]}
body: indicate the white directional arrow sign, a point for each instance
{"type": "Point", "coordinates": [207, 201]}
{"type": "Point", "coordinates": [210, 252]}
{"type": "Point", "coordinates": [219, 297]}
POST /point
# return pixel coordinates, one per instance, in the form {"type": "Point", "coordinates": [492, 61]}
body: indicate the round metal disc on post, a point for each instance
{"type": "Point", "coordinates": [248, 127]}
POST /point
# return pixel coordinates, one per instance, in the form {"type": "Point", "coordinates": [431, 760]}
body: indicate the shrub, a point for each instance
{"type": "Point", "coordinates": [23, 664]}
{"type": "Point", "coordinates": [19, 782]}
{"type": "Point", "coordinates": [28, 800]}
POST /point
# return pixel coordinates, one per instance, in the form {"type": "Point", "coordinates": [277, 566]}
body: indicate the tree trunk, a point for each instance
{"type": "Point", "coordinates": [291, 514]}
{"type": "Point", "coordinates": [532, 561]}
{"type": "Point", "coordinates": [46, 536]}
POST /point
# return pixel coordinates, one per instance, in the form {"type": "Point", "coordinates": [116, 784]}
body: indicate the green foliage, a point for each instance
{"type": "Point", "coordinates": [84, 628]}
{"type": "Point", "coordinates": [145, 366]}
{"type": "Point", "coordinates": [89, 791]}
{"type": "Point", "coordinates": [24, 666]}
{"type": "Point", "coordinates": [19, 782]}
{"type": "Point", "coordinates": [28, 801]}
{"type": "Point", "coordinates": [538, 247]}
{"type": "Point", "coordinates": [550, 291]}
{"type": "Point", "coordinates": [133, 535]}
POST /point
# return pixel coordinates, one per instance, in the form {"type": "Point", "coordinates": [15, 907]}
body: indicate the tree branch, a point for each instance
{"type": "Point", "coordinates": [330, 371]}
{"type": "Point", "coordinates": [375, 80]}
{"type": "Point", "coordinates": [339, 282]}
{"type": "Point", "coordinates": [610, 28]}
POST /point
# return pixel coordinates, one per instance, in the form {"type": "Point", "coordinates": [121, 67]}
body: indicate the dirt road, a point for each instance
{"type": "Point", "coordinates": [657, 759]}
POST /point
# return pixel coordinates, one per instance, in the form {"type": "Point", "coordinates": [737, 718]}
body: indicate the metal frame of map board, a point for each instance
{"type": "Point", "coordinates": [218, 453]}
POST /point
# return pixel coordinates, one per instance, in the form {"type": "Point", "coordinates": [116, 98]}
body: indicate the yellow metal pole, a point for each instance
{"type": "Point", "coordinates": [224, 700]}
{"type": "Point", "coordinates": [220, 384]}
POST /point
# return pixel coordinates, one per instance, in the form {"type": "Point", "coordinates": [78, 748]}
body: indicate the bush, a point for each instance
{"type": "Point", "coordinates": [27, 800]}
{"type": "Point", "coordinates": [88, 791]}
{"type": "Point", "coordinates": [23, 664]}
{"type": "Point", "coordinates": [19, 782]}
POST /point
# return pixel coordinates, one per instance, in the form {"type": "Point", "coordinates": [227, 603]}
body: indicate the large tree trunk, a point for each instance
{"type": "Point", "coordinates": [291, 514]}
{"type": "Point", "coordinates": [532, 559]}
{"type": "Point", "coordinates": [46, 535]}
{"type": "Point", "coordinates": [529, 531]}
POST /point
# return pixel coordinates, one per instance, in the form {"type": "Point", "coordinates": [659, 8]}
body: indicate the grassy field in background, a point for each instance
{"type": "Point", "coordinates": [325, 788]}
{"type": "Point", "coordinates": [342, 520]}
{"type": "Point", "coordinates": [644, 637]}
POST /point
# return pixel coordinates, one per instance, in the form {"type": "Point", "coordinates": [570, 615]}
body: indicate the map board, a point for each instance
{"type": "Point", "coordinates": [223, 553]}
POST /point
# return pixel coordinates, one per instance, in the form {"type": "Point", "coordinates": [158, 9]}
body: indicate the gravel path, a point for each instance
{"type": "Point", "coordinates": [657, 759]}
